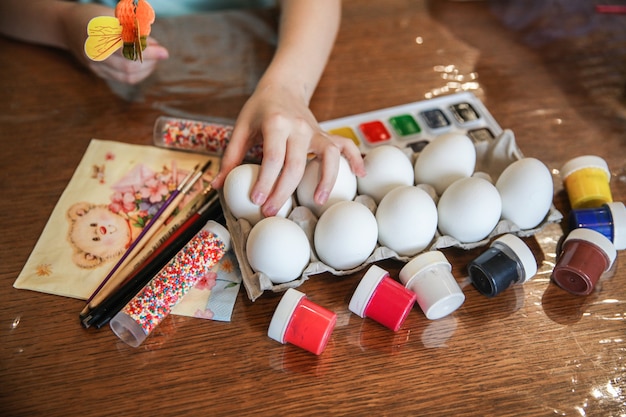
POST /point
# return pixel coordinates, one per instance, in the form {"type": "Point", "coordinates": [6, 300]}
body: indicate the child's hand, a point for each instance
{"type": "Point", "coordinates": [289, 132]}
{"type": "Point", "coordinates": [121, 69]}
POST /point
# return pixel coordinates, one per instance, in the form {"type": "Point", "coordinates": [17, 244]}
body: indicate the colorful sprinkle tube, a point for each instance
{"type": "Point", "coordinates": [197, 136]}
{"type": "Point", "coordinates": [154, 302]}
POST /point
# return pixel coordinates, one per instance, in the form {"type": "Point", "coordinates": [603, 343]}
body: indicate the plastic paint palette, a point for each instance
{"type": "Point", "coordinates": [415, 124]}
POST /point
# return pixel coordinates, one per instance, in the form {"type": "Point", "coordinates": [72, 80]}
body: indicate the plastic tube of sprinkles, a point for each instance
{"type": "Point", "coordinates": [154, 302]}
{"type": "Point", "coordinates": [197, 136]}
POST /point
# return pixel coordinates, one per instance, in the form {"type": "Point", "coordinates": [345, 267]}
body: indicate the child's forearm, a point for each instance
{"type": "Point", "coordinates": [54, 23]}
{"type": "Point", "coordinates": [306, 36]}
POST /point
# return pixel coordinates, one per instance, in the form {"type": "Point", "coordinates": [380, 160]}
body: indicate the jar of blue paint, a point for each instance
{"type": "Point", "coordinates": [608, 219]}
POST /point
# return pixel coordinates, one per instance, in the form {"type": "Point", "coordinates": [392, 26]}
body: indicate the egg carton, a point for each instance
{"type": "Point", "coordinates": [495, 150]}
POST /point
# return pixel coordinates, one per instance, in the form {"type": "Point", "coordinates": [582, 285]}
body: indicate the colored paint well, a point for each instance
{"type": "Point", "coordinates": [375, 132]}
{"type": "Point", "coordinates": [464, 112]}
{"type": "Point", "coordinates": [405, 125]}
{"type": "Point", "coordinates": [346, 132]}
{"type": "Point", "coordinates": [435, 118]}
{"type": "Point", "coordinates": [481, 135]}
{"type": "Point", "coordinates": [419, 145]}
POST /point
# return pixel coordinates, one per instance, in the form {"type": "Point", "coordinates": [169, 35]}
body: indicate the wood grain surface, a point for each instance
{"type": "Point", "coordinates": [534, 350]}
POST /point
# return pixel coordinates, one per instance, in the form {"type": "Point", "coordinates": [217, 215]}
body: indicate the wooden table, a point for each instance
{"type": "Point", "coordinates": [533, 350]}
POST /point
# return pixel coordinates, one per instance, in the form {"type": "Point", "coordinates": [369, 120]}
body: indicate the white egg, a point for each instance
{"type": "Point", "coordinates": [387, 167]}
{"type": "Point", "coordinates": [407, 220]}
{"type": "Point", "coordinates": [345, 235]}
{"type": "Point", "coordinates": [279, 248]}
{"type": "Point", "coordinates": [344, 188]}
{"type": "Point", "coordinates": [237, 189]}
{"type": "Point", "coordinates": [469, 209]}
{"type": "Point", "coordinates": [526, 190]}
{"type": "Point", "coordinates": [445, 159]}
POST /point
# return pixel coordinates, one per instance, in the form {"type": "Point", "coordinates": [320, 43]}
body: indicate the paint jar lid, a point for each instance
{"type": "Point", "coordinates": [282, 314]}
{"type": "Point", "coordinates": [618, 213]}
{"type": "Point", "coordinates": [127, 329]}
{"type": "Point", "coordinates": [585, 161]}
{"type": "Point", "coordinates": [423, 261]}
{"type": "Point", "coordinates": [598, 240]}
{"type": "Point", "coordinates": [365, 289]}
{"type": "Point", "coordinates": [522, 251]}
{"type": "Point", "coordinates": [429, 276]}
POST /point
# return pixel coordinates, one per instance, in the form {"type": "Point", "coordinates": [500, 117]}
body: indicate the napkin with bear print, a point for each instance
{"type": "Point", "coordinates": [114, 192]}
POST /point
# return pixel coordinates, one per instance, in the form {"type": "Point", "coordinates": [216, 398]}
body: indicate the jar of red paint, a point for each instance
{"type": "Point", "coordinates": [302, 323]}
{"type": "Point", "coordinates": [585, 256]}
{"type": "Point", "coordinates": [382, 299]}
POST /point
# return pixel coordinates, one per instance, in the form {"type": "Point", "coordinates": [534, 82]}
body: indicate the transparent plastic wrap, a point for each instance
{"type": "Point", "coordinates": [215, 58]}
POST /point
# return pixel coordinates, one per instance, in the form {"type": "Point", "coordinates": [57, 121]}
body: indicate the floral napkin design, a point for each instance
{"type": "Point", "coordinates": [116, 189]}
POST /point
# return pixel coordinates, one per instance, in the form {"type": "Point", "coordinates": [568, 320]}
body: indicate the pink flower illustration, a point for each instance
{"type": "Point", "coordinates": [166, 178]}
{"type": "Point", "coordinates": [122, 202]}
{"type": "Point", "coordinates": [204, 314]}
{"type": "Point", "coordinates": [207, 282]}
{"type": "Point", "coordinates": [154, 190]}
{"type": "Point", "coordinates": [142, 192]}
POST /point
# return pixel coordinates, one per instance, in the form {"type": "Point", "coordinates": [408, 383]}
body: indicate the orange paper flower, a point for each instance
{"type": "Point", "coordinates": [129, 29]}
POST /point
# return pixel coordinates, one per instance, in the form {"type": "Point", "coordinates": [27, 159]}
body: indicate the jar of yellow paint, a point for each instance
{"type": "Point", "coordinates": [586, 179]}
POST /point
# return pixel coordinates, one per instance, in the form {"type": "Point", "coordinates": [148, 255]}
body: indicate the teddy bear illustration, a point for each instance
{"type": "Point", "coordinates": [97, 234]}
{"type": "Point", "coordinates": [102, 232]}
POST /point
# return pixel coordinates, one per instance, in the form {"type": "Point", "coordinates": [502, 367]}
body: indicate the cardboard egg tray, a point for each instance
{"type": "Point", "coordinates": [409, 127]}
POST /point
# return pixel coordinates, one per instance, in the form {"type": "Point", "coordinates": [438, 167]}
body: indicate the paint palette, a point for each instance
{"type": "Point", "coordinates": [413, 125]}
